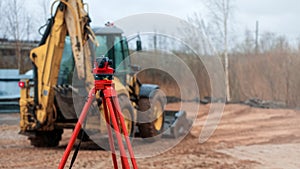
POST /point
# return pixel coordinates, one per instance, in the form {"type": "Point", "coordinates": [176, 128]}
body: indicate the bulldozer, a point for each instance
{"type": "Point", "coordinates": [62, 65]}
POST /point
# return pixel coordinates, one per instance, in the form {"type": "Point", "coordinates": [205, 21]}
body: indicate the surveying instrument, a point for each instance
{"type": "Point", "coordinates": [104, 86]}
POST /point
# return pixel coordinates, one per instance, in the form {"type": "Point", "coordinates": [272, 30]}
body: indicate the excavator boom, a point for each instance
{"type": "Point", "coordinates": [70, 19]}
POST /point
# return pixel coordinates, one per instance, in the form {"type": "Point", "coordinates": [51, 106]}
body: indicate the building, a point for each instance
{"type": "Point", "coordinates": [8, 56]}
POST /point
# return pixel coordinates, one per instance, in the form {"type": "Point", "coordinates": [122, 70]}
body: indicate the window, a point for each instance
{"type": "Point", "coordinates": [101, 50]}
{"type": "Point", "coordinates": [118, 53]}
{"type": "Point", "coordinates": [67, 64]}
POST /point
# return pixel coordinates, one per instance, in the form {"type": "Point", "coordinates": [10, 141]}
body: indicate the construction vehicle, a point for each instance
{"type": "Point", "coordinates": [62, 67]}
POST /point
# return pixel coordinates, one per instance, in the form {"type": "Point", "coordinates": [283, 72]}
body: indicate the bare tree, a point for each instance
{"type": "Point", "coordinates": [13, 26]}
{"type": "Point", "coordinates": [28, 26]}
{"type": "Point", "coordinates": [247, 46]}
{"type": "Point", "coordinates": [18, 26]}
{"type": "Point", "coordinates": [197, 35]}
{"type": "Point", "coordinates": [200, 36]}
{"type": "Point", "coordinates": [221, 12]}
{"type": "Point", "coordinates": [271, 42]}
{"type": "Point", "coordinates": [298, 44]}
{"type": "Point", "coordinates": [2, 30]}
{"type": "Point", "coordinates": [282, 44]}
{"type": "Point", "coordinates": [45, 12]}
{"type": "Point", "coordinates": [267, 42]}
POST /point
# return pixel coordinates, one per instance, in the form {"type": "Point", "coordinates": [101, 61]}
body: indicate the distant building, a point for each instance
{"type": "Point", "coordinates": [8, 54]}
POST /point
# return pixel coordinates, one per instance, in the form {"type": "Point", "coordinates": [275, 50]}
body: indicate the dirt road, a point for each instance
{"type": "Point", "coordinates": [247, 138]}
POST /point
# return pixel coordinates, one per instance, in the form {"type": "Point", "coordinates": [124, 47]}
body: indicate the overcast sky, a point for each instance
{"type": "Point", "coordinates": [279, 16]}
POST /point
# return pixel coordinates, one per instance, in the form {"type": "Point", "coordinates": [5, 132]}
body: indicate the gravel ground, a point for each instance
{"type": "Point", "coordinates": [246, 138]}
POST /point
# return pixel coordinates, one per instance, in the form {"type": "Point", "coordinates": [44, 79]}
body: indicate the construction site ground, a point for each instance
{"type": "Point", "coordinates": [246, 138]}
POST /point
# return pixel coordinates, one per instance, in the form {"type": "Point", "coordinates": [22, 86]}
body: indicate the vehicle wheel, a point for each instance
{"type": "Point", "coordinates": [151, 116]}
{"type": "Point", "coordinates": [46, 138]}
{"type": "Point", "coordinates": [127, 111]}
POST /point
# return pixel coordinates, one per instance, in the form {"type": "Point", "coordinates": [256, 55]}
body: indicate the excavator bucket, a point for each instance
{"type": "Point", "coordinates": [176, 124]}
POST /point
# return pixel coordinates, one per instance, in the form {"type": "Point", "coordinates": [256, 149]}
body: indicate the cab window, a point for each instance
{"type": "Point", "coordinates": [101, 50]}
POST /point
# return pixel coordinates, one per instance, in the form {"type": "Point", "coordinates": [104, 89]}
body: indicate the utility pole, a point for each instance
{"type": "Point", "coordinates": [225, 25]}
{"type": "Point", "coordinates": [256, 37]}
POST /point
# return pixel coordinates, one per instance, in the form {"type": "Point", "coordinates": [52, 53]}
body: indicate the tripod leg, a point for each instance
{"type": "Point", "coordinates": [125, 164]}
{"type": "Point", "coordinates": [110, 137]}
{"type": "Point", "coordinates": [77, 129]}
{"type": "Point", "coordinates": [124, 129]}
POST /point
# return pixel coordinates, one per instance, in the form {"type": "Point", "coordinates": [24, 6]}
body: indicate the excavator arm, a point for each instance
{"type": "Point", "coordinates": [38, 112]}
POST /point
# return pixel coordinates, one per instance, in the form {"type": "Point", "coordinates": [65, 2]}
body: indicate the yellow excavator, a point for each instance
{"type": "Point", "coordinates": [62, 65]}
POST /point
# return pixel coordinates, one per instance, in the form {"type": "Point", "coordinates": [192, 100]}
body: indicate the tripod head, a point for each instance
{"type": "Point", "coordinates": [103, 73]}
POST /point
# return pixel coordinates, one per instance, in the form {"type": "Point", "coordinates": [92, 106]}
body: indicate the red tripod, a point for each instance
{"type": "Point", "coordinates": [103, 75]}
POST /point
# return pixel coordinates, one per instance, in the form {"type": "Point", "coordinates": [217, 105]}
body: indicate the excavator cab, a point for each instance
{"type": "Point", "coordinates": [112, 45]}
